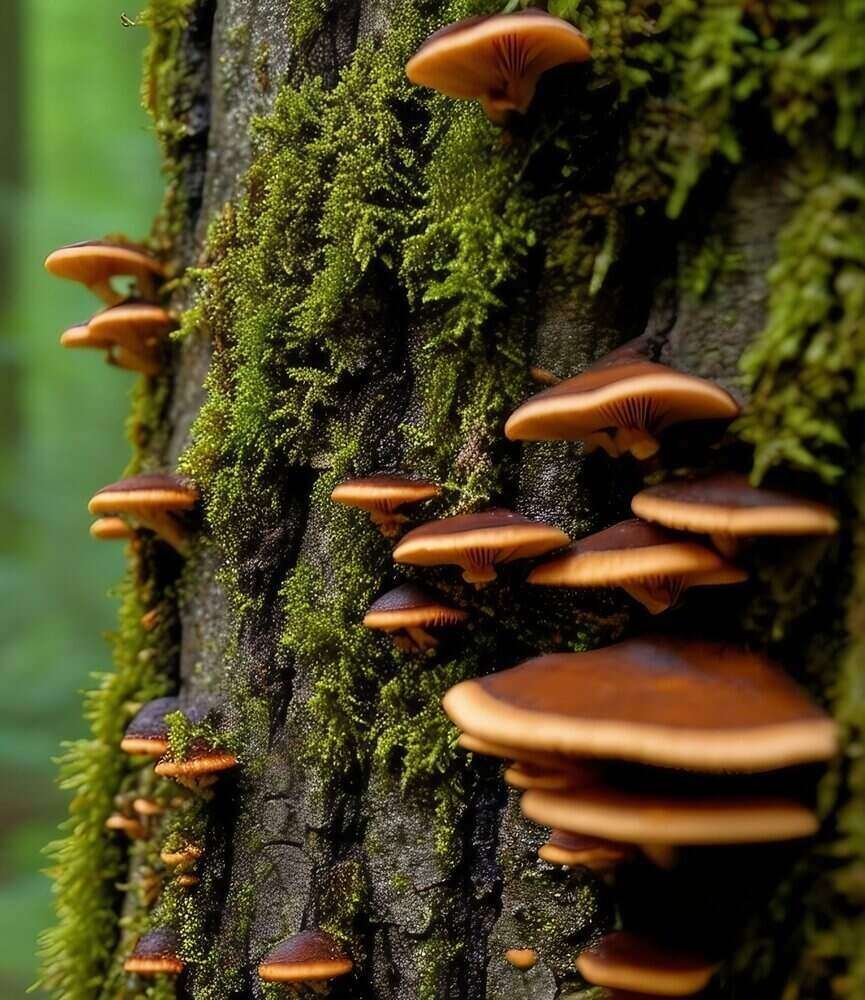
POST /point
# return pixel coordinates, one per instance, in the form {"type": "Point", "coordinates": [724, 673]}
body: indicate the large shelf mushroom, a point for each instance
{"type": "Point", "coordinates": [312, 956]}
{"type": "Point", "coordinates": [478, 542]}
{"type": "Point", "coordinates": [728, 508]}
{"type": "Point", "coordinates": [620, 404]}
{"type": "Point", "coordinates": [408, 612]}
{"type": "Point", "coordinates": [96, 263]}
{"type": "Point", "coordinates": [382, 496]}
{"type": "Point", "coordinates": [653, 565]}
{"type": "Point", "coordinates": [153, 500]}
{"type": "Point", "coordinates": [496, 59]}
{"type": "Point", "coordinates": [625, 961]}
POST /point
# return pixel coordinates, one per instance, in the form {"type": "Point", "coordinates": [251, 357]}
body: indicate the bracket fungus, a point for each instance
{"type": "Point", "coordinates": [668, 702]}
{"type": "Point", "coordinates": [80, 335]}
{"type": "Point", "coordinates": [308, 957]}
{"type": "Point", "coordinates": [199, 768]}
{"type": "Point", "coordinates": [96, 263]}
{"type": "Point", "coordinates": [477, 542]}
{"type": "Point", "coordinates": [653, 565]}
{"type": "Point", "coordinates": [570, 774]}
{"type": "Point", "coordinates": [497, 59]}
{"type": "Point", "coordinates": [110, 529]}
{"type": "Point", "coordinates": [626, 961]}
{"type": "Point", "coordinates": [728, 508]}
{"type": "Point", "coordinates": [574, 850]}
{"type": "Point", "coordinates": [156, 952]}
{"type": "Point", "coordinates": [147, 733]}
{"type": "Point", "coordinates": [620, 404]}
{"type": "Point", "coordinates": [408, 612]}
{"type": "Point", "coordinates": [382, 496]}
{"type": "Point", "coordinates": [153, 500]}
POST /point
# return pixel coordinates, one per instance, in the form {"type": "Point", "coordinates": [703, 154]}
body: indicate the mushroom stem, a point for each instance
{"type": "Point", "coordinates": [479, 575]}
{"type": "Point", "coordinates": [388, 522]}
{"type": "Point", "coordinates": [104, 290]}
{"type": "Point", "coordinates": [639, 443]}
{"type": "Point", "coordinates": [168, 528]}
{"type": "Point", "coordinates": [133, 361]}
{"type": "Point", "coordinates": [727, 545]}
{"type": "Point", "coordinates": [654, 599]}
{"type": "Point", "coordinates": [422, 639]}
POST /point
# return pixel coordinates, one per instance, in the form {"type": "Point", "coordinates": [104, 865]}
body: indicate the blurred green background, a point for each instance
{"type": "Point", "coordinates": [77, 160]}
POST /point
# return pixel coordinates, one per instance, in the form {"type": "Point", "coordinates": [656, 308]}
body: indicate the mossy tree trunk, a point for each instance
{"type": "Point", "coordinates": [367, 275]}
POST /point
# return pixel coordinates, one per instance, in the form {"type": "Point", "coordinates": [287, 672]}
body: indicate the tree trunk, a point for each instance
{"type": "Point", "coordinates": [375, 273]}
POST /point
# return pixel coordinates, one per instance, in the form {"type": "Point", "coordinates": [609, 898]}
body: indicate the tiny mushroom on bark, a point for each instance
{"type": "Point", "coordinates": [522, 958]}
{"type": "Point", "coordinates": [308, 957]}
{"type": "Point", "coordinates": [575, 850]}
{"type": "Point", "coordinates": [622, 960]}
{"type": "Point", "coordinates": [477, 542]}
{"type": "Point", "coordinates": [728, 508]}
{"type": "Point", "coordinates": [663, 701]}
{"type": "Point", "coordinates": [109, 529]}
{"type": "Point", "coordinates": [137, 326]}
{"type": "Point", "coordinates": [133, 828]}
{"type": "Point", "coordinates": [147, 733]}
{"type": "Point", "coordinates": [524, 776]}
{"type": "Point", "coordinates": [147, 807]}
{"type": "Point", "coordinates": [496, 59]}
{"type": "Point", "coordinates": [653, 565]}
{"type": "Point", "coordinates": [80, 335]}
{"type": "Point", "coordinates": [182, 857]}
{"type": "Point", "coordinates": [156, 952]}
{"type": "Point", "coordinates": [97, 262]}
{"type": "Point", "coordinates": [620, 404]}
{"type": "Point", "coordinates": [199, 768]}
{"type": "Point", "coordinates": [382, 496]}
{"type": "Point", "coordinates": [151, 499]}
{"type": "Point", "coordinates": [408, 612]}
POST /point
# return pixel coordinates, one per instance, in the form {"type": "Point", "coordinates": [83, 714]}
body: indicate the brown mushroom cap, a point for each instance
{"type": "Point", "coordinates": [496, 59]}
{"type": "Point", "coordinates": [626, 961]}
{"type": "Point", "coordinates": [382, 495]}
{"type": "Point", "coordinates": [410, 606]}
{"type": "Point", "coordinates": [201, 762]}
{"type": "Point", "coordinates": [126, 824]}
{"type": "Point", "coordinates": [147, 733]}
{"type": "Point", "coordinates": [151, 498]}
{"type": "Point", "coordinates": [662, 701]}
{"type": "Point", "coordinates": [652, 564]}
{"type": "Point", "coordinates": [111, 529]}
{"type": "Point", "coordinates": [137, 326]}
{"type": "Point", "coordinates": [156, 952]}
{"type": "Point", "coordinates": [80, 335]}
{"type": "Point", "coordinates": [619, 406]}
{"type": "Point", "coordinates": [727, 504]}
{"type": "Point", "coordinates": [476, 542]}
{"type": "Point", "coordinates": [634, 818]}
{"type": "Point", "coordinates": [182, 857]}
{"type": "Point", "coordinates": [310, 956]}
{"type": "Point", "coordinates": [522, 958]}
{"type": "Point", "coordinates": [524, 776]}
{"type": "Point", "coordinates": [579, 850]}
{"type": "Point", "coordinates": [97, 262]}
{"type": "Point", "coordinates": [501, 751]}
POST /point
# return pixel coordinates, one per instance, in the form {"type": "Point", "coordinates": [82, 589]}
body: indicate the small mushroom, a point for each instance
{"type": "Point", "coordinates": [157, 952]}
{"type": "Point", "coordinates": [96, 263]}
{"type": "Point", "coordinates": [308, 957]}
{"type": "Point", "coordinates": [382, 496]}
{"type": "Point", "coordinates": [625, 961]}
{"type": "Point", "coordinates": [728, 508]}
{"type": "Point", "coordinates": [153, 500]}
{"type": "Point", "coordinates": [524, 776]}
{"type": "Point", "coordinates": [183, 857]}
{"type": "Point", "coordinates": [199, 769]}
{"type": "Point", "coordinates": [80, 335]}
{"type": "Point", "coordinates": [652, 565]}
{"type": "Point", "coordinates": [407, 612]}
{"type": "Point", "coordinates": [144, 362]}
{"type": "Point", "coordinates": [147, 807]}
{"type": "Point", "coordinates": [108, 529]}
{"type": "Point", "coordinates": [147, 733]}
{"type": "Point", "coordinates": [574, 850]}
{"type": "Point", "coordinates": [138, 326]}
{"type": "Point", "coordinates": [662, 701]}
{"type": "Point", "coordinates": [522, 958]}
{"type": "Point", "coordinates": [150, 619]}
{"type": "Point", "coordinates": [497, 59]}
{"type": "Point", "coordinates": [620, 404]}
{"type": "Point", "coordinates": [550, 761]}
{"type": "Point", "coordinates": [187, 881]}
{"type": "Point", "coordinates": [477, 542]}
{"type": "Point", "coordinates": [132, 827]}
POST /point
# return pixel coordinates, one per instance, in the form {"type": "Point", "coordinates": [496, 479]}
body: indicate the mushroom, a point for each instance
{"type": "Point", "coordinates": [137, 326]}
{"type": "Point", "coordinates": [153, 499]}
{"type": "Point", "coordinates": [382, 496]}
{"type": "Point", "coordinates": [157, 952]}
{"type": "Point", "coordinates": [199, 768]}
{"type": "Point", "coordinates": [652, 565]}
{"type": "Point", "coordinates": [183, 857]}
{"type": "Point", "coordinates": [668, 819]}
{"type": "Point", "coordinates": [477, 542]}
{"type": "Point", "coordinates": [80, 335]}
{"type": "Point", "coordinates": [150, 619]}
{"type": "Point", "coordinates": [662, 701]}
{"type": "Point", "coordinates": [97, 262]}
{"type": "Point", "coordinates": [407, 612]}
{"type": "Point", "coordinates": [147, 808]}
{"type": "Point", "coordinates": [108, 529]}
{"type": "Point", "coordinates": [620, 404]}
{"type": "Point", "coordinates": [626, 961]}
{"type": "Point", "coordinates": [144, 362]}
{"type": "Point", "coordinates": [522, 958]}
{"type": "Point", "coordinates": [187, 881]}
{"type": "Point", "coordinates": [488, 748]}
{"type": "Point", "coordinates": [574, 850]}
{"type": "Point", "coordinates": [308, 957]}
{"type": "Point", "coordinates": [126, 824]}
{"type": "Point", "coordinates": [728, 508]}
{"type": "Point", "coordinates": [524, 776]}
{"type": "Point", "coordinates": [147, 733]}
{"type": "Point", "coordinates": [497, 59]}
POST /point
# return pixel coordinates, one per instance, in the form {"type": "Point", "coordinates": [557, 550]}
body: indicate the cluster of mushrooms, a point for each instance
{"type": "Point", "coordinates": [596, 741]}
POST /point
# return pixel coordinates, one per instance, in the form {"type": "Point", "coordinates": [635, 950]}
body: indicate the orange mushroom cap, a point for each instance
{"type": "Point", "coordinates": [626, 961]}
{"type": "Point", "coordinates": [152, 499]}
{"type": "Point", "coordinates": [310, 956]}
{"type": "Point", "coordinates": [382, 495]}
{"type": "Point", "coordinates": [521, 958]}
{"type": "Point", "coordinates": [111, 529]}
{"type": "Point", "coordinates": [497, 59]}
{"type": "Point", "coordinates": [662, 701]}
{"type": "Point", "coordinates": [147, 733]}
{"type": "Point", "coordinates": [201, 762]}
{"type": "Point", "coordinates": [582, 851]}
{"type": "Point", "coordinates": [410, 610]}
{"type": "Point", "coordinates": [651, 564]}
{"type": "Point", "coordinates": [619, 404]}
{"type": "Point", "coordinates": [156, 952]}
{"type": "Point", "coordinates": [523, 775]}
{"type": "Point", "coordinates": [501, 751]}
{"type": "Point", "coordinates": [95, 263]}
{"type": "Point", "coordinates": [138, 326]}
{"type": "Point", "coordinates": [477, 542]}
{"type": "Point", "coordinates": [80, 335]}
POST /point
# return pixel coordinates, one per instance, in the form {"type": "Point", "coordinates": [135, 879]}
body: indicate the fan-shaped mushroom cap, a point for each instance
{"type": "Point", "coordinates": [497, 59]}
{"type": "Point", "coordinates": [411, 610]}
{"type": "Point", "coordinates": [524, 776]}
{"type": "Point", "coordinates": [137, 326]}
{"type": "Point", "coordinates": [476, 542]}
{"type": "Point", "coordinates": [726, 506]}
{"type": "Point", "coordinates": [126, 824]}
{"type": "Point", "coordinates": [578, 850]}
{"type": "Point", "coordinates": [382, 495]}
{"type": "Point", "coordinates": [634, 818]}
{"type": "Point", "coordinates": [651, 564]}
{"type": "Point", "coordinates": [152, 499]}
{"type": "Point", "coordinates": [183, 857]}
{"type": "Point", "coordinates": [97, 262]}
{"type": "Point", "coordinates": [538, 758]}
{"type": "Point", "coordinates": [147, 807]}
{"type": "Point", "coordinates": [310, 956]}
{"type": "Point", "coordinates": [619, 405]}
{"type": "Point", "coordinates": [111, 529]}
{"type": "Point", "coordinates": [80, 335]}
{"type": "Point", "coordinates": [201, 762]}
{"type": "Point", "coordinates": [522, 958]}
{"type": "Point", "coordinates": [626, 961]}
{"type": "Point", "coordinates": [147, 733]}
{"type": "Point", "coordinates": [156, 952]}
{"type": "Point", "coordinates": [662, 701]}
